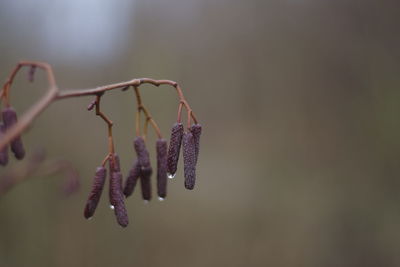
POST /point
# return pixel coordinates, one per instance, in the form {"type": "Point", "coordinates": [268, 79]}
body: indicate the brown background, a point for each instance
{"type": "Point", "coordinates": [299, 161]}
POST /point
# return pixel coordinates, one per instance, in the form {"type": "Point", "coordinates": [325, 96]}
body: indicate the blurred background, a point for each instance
{"type": "Point", "coordinates": [299, 159]}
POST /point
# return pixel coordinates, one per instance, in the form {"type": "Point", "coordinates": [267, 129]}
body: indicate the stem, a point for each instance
{"type": "Point", "coordinates": [54, 93]}
{"type": "Point", "coordinates": [141, 107]}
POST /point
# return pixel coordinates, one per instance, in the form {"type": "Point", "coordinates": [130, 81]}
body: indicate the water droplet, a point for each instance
{"type": "Point", "coordinates": [161, 198]}
{"type": "Point", "coordinates": [146, 202]}
{"type": "Point", "coordinates": [112, 207]}
{"type": "Point", "coordinates": [171, 176]}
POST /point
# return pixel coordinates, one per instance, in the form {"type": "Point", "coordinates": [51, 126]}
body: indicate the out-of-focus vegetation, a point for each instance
{"type": "Point", "coordinates": [299, 162]}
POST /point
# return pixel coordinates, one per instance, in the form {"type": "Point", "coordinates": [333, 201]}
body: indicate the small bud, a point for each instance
{"type": "Point", "coordinates": [189, 160]}
{"type": "Point", "coordinates": [117, 199]}
{"type": "Point", "coordinates": [9, 119]}
{"type": "Point", "coordinates": [132, 178]}
{"type": "Point", "coordinates": [174, 148]}
{"type": "Point", "coordinates": [91, 105]}
{"type": "Point", "coordinates": [145, 182]}
{"type": "Point", "coordinates": [97, 188]}
{"type": "Point", "coordinates": [161, 146]}
{"type": "Point", "coordinates": [195, 129]}
{"type": "Point", "coordinates": [4, 151]}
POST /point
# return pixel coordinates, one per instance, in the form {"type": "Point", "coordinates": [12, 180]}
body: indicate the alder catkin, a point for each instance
{"type": "Point", "coordinates": [117, 199]}
{"type": "Point", "coordinates": [145, 182]}
{"type": "Point", "coordinates": [132, 178]}
{"type": "Point", "coordinates": [161, 147]}
{"type": "Point", "coordinates": [189, 160]}
{"type": "Point", "coordinates": [195, 129]}
{"type": "Point", "coordinates": [97, 189]}
{"type": "Point", "coordinates": [4, 151]}
{"type": "Point", "coordinates": [174, 148]}
{"type": "Point", "coordinates": [141, 151]}
{"type": "Point", "coordinates": [9, 119]}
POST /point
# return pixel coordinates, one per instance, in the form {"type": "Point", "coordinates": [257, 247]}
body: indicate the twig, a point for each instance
{"type": "Point", "coordinates": [54, 93]}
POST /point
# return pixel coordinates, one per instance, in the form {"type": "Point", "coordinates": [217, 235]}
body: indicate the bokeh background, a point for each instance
{"type": "Point", "coordinates": [299, 102]}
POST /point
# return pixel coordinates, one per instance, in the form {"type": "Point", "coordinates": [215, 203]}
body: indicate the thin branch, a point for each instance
{"type": "Point", "coordinates": [54, 93]}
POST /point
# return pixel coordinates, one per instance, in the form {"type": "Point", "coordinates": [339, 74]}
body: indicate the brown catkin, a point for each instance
{"type": "Point", "coordinates": [145, 182]}
{"type": "Point", "coordinates": [161, 147]}
{"type": "Point", "coordinates": [195, 129]}
{"type": "Point", "coordinates": [117, 199]}
{"type": "Point", "coordinates": [10, 118]}
{"type": "Point", "coordinates": [189, 160]}
{"type": "Point", "coordinates": [97, 189]}
{"type": "Point", "coordinates": [141, 151]}
{"type": "Point", "coordinates": [174, 148]}
{"type": "Point", "coordinates": [4, 151]}
{"type": "Point", "coordinates": [132, 178]}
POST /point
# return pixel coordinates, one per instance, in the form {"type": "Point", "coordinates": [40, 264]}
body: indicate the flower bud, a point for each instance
{"type": "Point", "coordinates": [174, 148]}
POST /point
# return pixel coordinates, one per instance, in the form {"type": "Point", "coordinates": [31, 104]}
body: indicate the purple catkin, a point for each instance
{"type": "Point", "coordinates": [4, 151]}
{"type": "Point", "coordinates": [174, 148]}
{"type": "Point", "coordinates": [9, 119]}
{"type": "Point", "coordinates": [97, 188]}
{"type": "Point", "coordinates": [189, 160]}
{"type": "Point", "coordinates": [145, 182]}
{"type": "Point", "coordinates": [161, 147]}
{"type": "Point", "coordinates": [117, 199]}
{"type": "Point", "coordinates": [195, 129]}
{"type": "Point", "coordinates": [141, 151]}
{"type": "Point", "coordinates": [132, 178]}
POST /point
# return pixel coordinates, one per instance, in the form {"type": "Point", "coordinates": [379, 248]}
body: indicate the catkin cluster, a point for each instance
{"type": "Point", "coordinates": [141, 170]}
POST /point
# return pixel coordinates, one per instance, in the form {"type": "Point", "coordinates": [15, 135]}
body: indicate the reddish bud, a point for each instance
{"type": "Point", "coordinates": [195, 129]}
{"type": "Point", "coordinates": [161, 146]}
{"type": "Point", "coordinates": [189, 160]}
{"type": "Point", "coordinates": [4, 151]}
{"type": "Point", "coordinates": [97, 188]}
{"type": "Point", "coordinates": [141, 151]}
{"type": "Point", "coordinates": [117, 199]}
{"type": "Point", "coordinates": [91, 105]}
{"type": "Point", "coordinates": [174, 148]}
{"type": "Point", "coordinates": [132, 178]}
{"type": "Point", "coordinates": [9, 119]}
{"type": "Point", "coordinates": [145, 182]}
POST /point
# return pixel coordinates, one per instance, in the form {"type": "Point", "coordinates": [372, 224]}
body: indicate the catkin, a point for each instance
{"type": "Point", "coordinates": [195, 129]}
{"type": "Point", "coordinates": [4, 151]}
{"type": "Point", "coordinates": [174, 148]}
{"type": "Point", "coordinates": [161, 147]}
{"type": "Point", "coordinates": [9, 119]}
{"type": "Point", "coordinates": [132, 178]}
{"type": "Point", "coordinates": [145, 182]}
{"type": "Point", "coordinates": [141, 151]}
{"type": "Point", "coordinates": [117, 199]}
{"type": "Point", "coordinates": [189, 160]}
{"type": "Point", "coordinates": [97, 189]}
